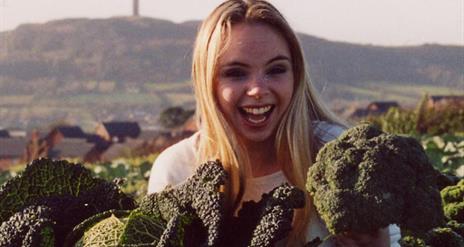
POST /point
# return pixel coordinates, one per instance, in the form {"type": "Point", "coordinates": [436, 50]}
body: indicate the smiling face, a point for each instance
{"type": "Point", "coordinates": [254, 81]}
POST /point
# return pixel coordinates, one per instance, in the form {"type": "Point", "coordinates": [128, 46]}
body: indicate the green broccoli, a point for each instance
{"type": "Point", "coordinates": [456, 227]}
{"type": "Point", "coordinates": [453, 201]}
{"type": "Point", "coordinates": [436, 237]}
{"type": "Point", "coordinates": [443, 237]}
{"type": "Point", "coordinates": [450, 235]}
{"type": "Point", "coordinates": [410, 241]}
{"type": "Point", "coordinates": [70, 192]}
{"type": "Point", "coordinates": [366, 179]}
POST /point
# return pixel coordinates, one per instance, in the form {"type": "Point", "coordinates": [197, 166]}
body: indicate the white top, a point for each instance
{"type": "Point", "coordinates": [175, 164]}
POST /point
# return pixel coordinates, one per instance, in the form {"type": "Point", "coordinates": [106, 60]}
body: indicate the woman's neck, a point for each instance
{"type": "Point", "coordinates": [263, 159]}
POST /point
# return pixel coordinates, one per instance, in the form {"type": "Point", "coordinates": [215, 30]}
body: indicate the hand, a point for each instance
{"type": "Point", "coordinates": [379, 238]}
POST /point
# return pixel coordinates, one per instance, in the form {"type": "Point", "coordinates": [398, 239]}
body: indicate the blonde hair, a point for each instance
{"type": "Point", "coordinates": [217, 138]}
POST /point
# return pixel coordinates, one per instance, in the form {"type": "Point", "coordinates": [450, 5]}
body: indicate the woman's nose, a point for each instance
{"type": "Point", "coordinates": [258, 87]}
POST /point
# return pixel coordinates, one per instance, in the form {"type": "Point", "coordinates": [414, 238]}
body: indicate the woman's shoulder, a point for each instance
{"type": "Point", "coordinates": [326, 131]}
{"type": "Point", "coordinates": [173, 165]}
{"type": "Point", "coordinates": [181, 150]}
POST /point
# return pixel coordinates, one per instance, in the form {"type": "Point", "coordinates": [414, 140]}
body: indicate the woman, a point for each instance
{"type": "Point", "coordinates": [258, 113]}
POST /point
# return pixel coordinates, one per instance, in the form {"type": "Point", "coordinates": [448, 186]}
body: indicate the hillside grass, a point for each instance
{"type": "Point", "coordinates": [152, 94]}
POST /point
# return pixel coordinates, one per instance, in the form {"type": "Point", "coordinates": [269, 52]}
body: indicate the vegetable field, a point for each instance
{"type": "Point", "coordinates": [446, 152]}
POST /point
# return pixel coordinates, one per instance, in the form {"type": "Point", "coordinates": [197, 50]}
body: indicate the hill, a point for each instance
{"type": "Point", "coordinates": [143, 65]}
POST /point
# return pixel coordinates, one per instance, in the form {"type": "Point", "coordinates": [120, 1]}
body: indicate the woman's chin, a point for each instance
{"type": "Point", "coordinates": [256, 132]}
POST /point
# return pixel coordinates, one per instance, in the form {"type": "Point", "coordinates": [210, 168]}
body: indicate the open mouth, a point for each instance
{"type": "Point", "coordinates": [256, 114]}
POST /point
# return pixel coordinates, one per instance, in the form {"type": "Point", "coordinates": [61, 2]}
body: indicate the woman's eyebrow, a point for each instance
{"type": "Point", "coordinates": [235, 63]}
{"type": "Point", "coordinates": [241, 64]}
{"type": "Point", "coordinates": [278, 58]}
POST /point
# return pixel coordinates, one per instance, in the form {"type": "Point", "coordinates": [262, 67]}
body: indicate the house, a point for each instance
{"type": "Point", "coordinates": [164, 140]}
{"type": "Point", "coordinates": [356, 113]}
{"type": "Point", "coordinates": [17, 133]}
{"type": "Point", "coordinates": [380, 107]}
{"type": "Point", "coordinates": [57, 134]}
{"type": "Point", "coordinates": [4, 133]}
{"type": "Point", "coordinates": [71, 148]}
{"type": "Point", "coordinates": [150, 134]}
{"type": "Point", "coordinates": [374, 108]}
{"type": "Point", "coordinates": [11, 151]}
{"type": "Point", "coordinates": [125, 149]}
{"type": "Point", "coordinates": [440, 102]}
{"type": "Point", "coordinates": [118, 132]}
{"type": "Point", "coordinates": [60, 142]}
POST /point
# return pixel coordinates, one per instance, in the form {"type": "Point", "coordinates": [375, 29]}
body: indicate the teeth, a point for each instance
{"type": "Point", "coordinates": [257, 121]}
{"type": "Point", "coordinates": [257, 111]}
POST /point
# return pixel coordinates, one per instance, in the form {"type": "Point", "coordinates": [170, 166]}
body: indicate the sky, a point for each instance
{"type": "Point", "coordinates": [376, 22]}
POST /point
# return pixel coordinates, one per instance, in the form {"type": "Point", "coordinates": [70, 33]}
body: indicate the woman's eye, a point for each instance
{"type": "Point", "coordinates": [277, 70]}
{"type": "Point", "coordinates": [234, 73]}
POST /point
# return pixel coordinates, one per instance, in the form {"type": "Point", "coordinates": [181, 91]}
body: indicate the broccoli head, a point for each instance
{"type": "Point", "coordinates": [453, 201]}
{"type": "Point", "coordinates": [456, 227]}
{"type": "Point", "coordinates": [410, 241]}
{"type": "Point", "coordinates": [69, 190]}
{"type": "Point", "coordinates": [367, 179]}
{"type": "Point", "coordinates": [436, 237]}
{"type": "Point", "coordinates": [443, 237]}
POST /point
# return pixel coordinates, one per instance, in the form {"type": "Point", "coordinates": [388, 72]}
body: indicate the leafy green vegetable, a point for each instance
{"type": "Point", "coordinates": [266, 222]}
{"type": "Point", "coordinates": [193, 214]}
{"type": "Point", "coordinates": [69, 190]}
{"type": "Point", "coordinates": [186, 215]}
{"type": "Point", "coordinates": [31, 226]}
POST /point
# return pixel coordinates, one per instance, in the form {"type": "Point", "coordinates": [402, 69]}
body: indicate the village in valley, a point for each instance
{"type": "Point", "coordinates": [109, 141]}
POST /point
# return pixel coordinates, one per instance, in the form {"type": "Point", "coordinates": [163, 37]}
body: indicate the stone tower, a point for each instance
{"type": "Point", "coordinates": [135, 8]}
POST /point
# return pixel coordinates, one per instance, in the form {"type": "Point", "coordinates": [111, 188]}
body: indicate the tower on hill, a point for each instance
{"type": "Point", "coordinates": [135, 8]}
